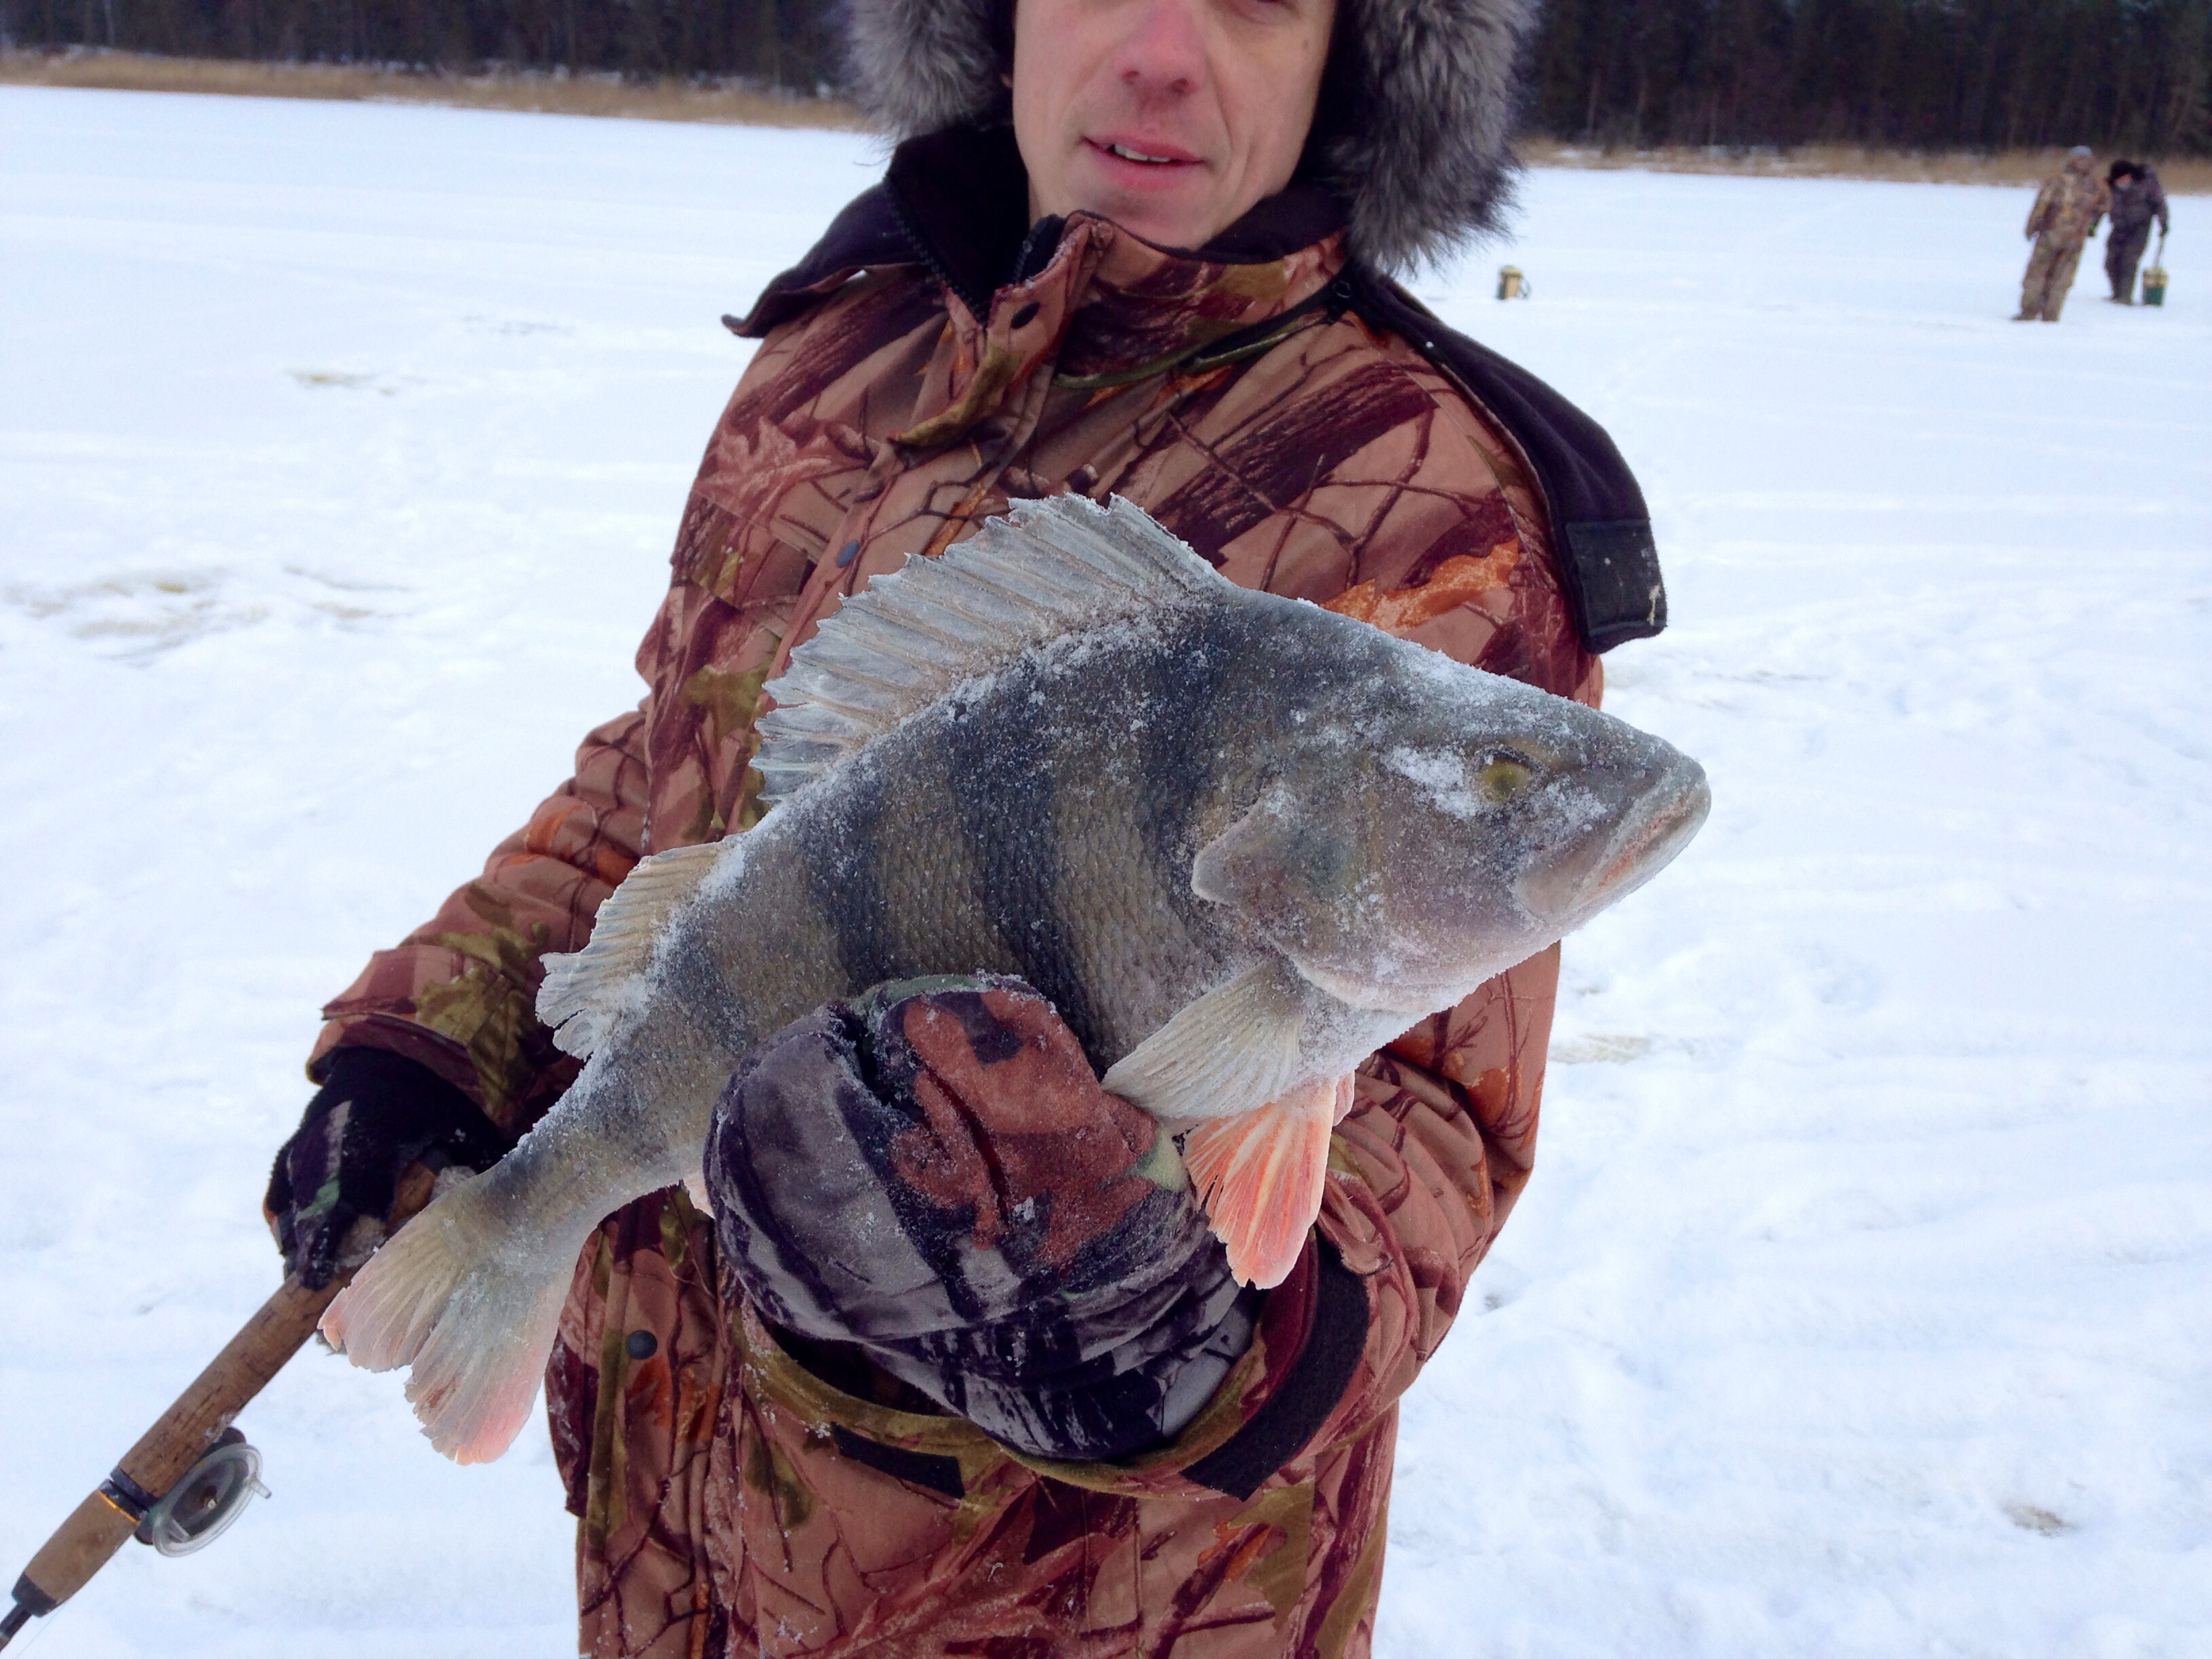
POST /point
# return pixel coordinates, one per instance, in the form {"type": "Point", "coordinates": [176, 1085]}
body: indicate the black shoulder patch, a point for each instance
{"type": "Point", "coordinates": [1611, 570]}
{"type": "Point", "coordinates": [1601, 529]}
{"type": "Point", "coordinates": [1279, 1430]}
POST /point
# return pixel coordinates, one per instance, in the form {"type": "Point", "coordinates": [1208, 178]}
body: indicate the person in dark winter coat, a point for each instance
{"type": "Point", "coordinates": [2137, 201]}
{"type": "Point", "coordinates": [1138, 250]}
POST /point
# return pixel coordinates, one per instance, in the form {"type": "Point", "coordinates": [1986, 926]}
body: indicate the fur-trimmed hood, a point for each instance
{"type": "Point", "coordinates": [1412, 131]}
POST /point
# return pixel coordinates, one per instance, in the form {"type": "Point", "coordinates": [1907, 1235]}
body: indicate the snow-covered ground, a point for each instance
{"type": "Point", "coordinates": [1862, 1303]}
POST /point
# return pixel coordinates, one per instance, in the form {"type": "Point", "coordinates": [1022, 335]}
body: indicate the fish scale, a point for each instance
{"type": "Point", "coordinates": [1238, 840]}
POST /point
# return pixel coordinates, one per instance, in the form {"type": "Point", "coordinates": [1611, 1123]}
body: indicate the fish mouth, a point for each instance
{"type": "Point", "coordinates": [1660, 825]}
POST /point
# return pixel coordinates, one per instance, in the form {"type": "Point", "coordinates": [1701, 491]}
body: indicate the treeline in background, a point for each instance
{"type": "Point", "coordinates": [1982, 75]}
{"type": "Point", "coordinates": [1989, 75]}
{"type": "Point", "coordinates": [788, 44]}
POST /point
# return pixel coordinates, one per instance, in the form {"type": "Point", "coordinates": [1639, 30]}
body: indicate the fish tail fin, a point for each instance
{"type": "Point", "coordinates": [1258, 1175]}
{"type": "Point", "coordinates": [475, 1325]}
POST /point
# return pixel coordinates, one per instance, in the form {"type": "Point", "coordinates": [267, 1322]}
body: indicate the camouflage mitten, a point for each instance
{"type": "Point", "coordinates": [933, 1172]}
{"type": "Point", "coordinates": [335, 1181]}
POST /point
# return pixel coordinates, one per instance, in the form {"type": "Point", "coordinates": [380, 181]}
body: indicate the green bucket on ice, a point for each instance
{"type": "Point", "coordinates": [2154, 279]}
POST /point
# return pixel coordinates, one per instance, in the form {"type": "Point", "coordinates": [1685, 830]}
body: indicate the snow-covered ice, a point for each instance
{"type": "Point", "coordinates": [1861, 1302]}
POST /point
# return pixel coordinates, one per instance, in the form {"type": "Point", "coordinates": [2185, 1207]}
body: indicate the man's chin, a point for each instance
{"type": "Point", "coordinates": [1174, 231]}
{"type": "Point", "coordinates": [1169, 213]}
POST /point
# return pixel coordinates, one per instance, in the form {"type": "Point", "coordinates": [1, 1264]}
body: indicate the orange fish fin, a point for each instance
{"type": "Point", "coordinates": [476, 1337]}
{"type": "Point", "coordinates": [1258, 1175]}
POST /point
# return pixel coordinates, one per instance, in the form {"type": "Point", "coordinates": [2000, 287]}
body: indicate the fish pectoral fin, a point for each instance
{"type": "Point", "coordinates": [1234, 1048]}
{"type": "Point", "coordinates": [1259, 1177]}
{"type": "Point", "coordinates": [584, 990]}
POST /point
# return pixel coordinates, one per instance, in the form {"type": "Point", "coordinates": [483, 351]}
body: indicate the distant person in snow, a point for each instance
{"type": "Point", "coordinates": [1137, 251]}
{"type": "Point", "coordinates": [2066, 211]}
{"type": "Point", "coordinates": [2137, 200]}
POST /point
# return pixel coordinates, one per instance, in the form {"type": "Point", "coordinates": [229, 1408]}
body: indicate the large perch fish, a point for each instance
{"type": "Point", "coordinates": [1240, 841]}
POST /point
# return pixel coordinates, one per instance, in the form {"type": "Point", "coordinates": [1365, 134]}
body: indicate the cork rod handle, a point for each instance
{"type": "Point", "coordinates": [181, 1436]}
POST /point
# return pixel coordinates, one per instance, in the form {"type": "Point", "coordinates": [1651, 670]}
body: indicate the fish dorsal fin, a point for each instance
{"type": "Point", "coordinates": [583, 992]}
{"type": "Point", "coordinates": [1062, 565]}
{"type": "Point", "coordinates": [1234, 1049]}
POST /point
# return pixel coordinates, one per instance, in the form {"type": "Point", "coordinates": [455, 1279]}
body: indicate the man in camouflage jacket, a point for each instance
{"type": "Point", "coordinates": [2064, 215]}
{"type": "Point", "coordinates": [745, 1485]}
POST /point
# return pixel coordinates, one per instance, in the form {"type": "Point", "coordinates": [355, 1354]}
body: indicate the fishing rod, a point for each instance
{"type": "Point", "coordinates": [192, 1474]}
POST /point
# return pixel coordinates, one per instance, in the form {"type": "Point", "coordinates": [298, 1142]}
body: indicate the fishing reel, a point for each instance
{"type": "Point", "coordinates": [192, 1474]}
{"type": "Point", "coordinates": [200, 1508]}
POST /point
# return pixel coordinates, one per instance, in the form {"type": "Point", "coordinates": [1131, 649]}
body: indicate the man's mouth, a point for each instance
{"type": "Point", "coordinates": [1167, 158]}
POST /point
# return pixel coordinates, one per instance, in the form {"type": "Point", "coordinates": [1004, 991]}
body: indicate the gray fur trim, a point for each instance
{"type": "Point", "coordinates": [920, 66]}
{"type": "Point", "coordinates": [1421, 155]}
{"type": "Point", "coordinates": [1425, 165]}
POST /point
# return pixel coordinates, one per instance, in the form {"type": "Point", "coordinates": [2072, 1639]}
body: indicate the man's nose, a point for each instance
{"type": "Point", "coordinates": [1162, 54]}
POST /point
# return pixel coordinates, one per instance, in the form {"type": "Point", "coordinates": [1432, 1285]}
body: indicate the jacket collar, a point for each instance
{"type": "Point", "coordinates": [962, 197]}
{"type": "Point", "coordinates": [957, 203]}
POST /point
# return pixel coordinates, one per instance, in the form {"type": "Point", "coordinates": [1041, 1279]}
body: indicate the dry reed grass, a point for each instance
{"type": "Point", "coordinates": [557, 93]}
{"type": "Point", "coordinates": [681, 100]}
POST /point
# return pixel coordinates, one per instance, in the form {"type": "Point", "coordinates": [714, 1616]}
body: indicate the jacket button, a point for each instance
{"type": "Point", "coordinates": [641, 1345]}
{"type": "Point", "coordinates": [1024, 317]}
{"type": "Point", "coordinates": [846, 554]}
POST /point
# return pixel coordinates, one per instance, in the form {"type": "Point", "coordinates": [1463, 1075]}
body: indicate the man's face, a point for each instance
{"type": "Point", "coordinates": [1171, 117]}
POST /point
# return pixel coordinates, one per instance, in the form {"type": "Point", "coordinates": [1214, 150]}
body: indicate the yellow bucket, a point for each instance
{"type": "Point", "coordinates": [1512, 284]}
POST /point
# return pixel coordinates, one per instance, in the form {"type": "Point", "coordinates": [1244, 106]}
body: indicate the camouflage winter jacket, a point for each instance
{"type": "Point", "coordinates": [2070, 203]}
{"type": "Point", "coordinates": [929, 362]}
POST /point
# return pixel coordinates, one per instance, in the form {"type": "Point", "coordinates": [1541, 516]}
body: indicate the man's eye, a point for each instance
{"type": "Point", "coordinates": [1504, 776]}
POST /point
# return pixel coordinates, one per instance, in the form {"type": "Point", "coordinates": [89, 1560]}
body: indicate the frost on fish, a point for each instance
{"type": "Point", "coordinates": [1238, 840]}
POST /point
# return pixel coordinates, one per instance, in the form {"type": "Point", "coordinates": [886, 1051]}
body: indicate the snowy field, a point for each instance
{"type": "Point", "coordinates": [1862, 1303]}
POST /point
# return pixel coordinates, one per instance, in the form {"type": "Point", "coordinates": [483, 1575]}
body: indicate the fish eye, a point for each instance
{"type": "Point", "coordinates": [1504, 774]}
